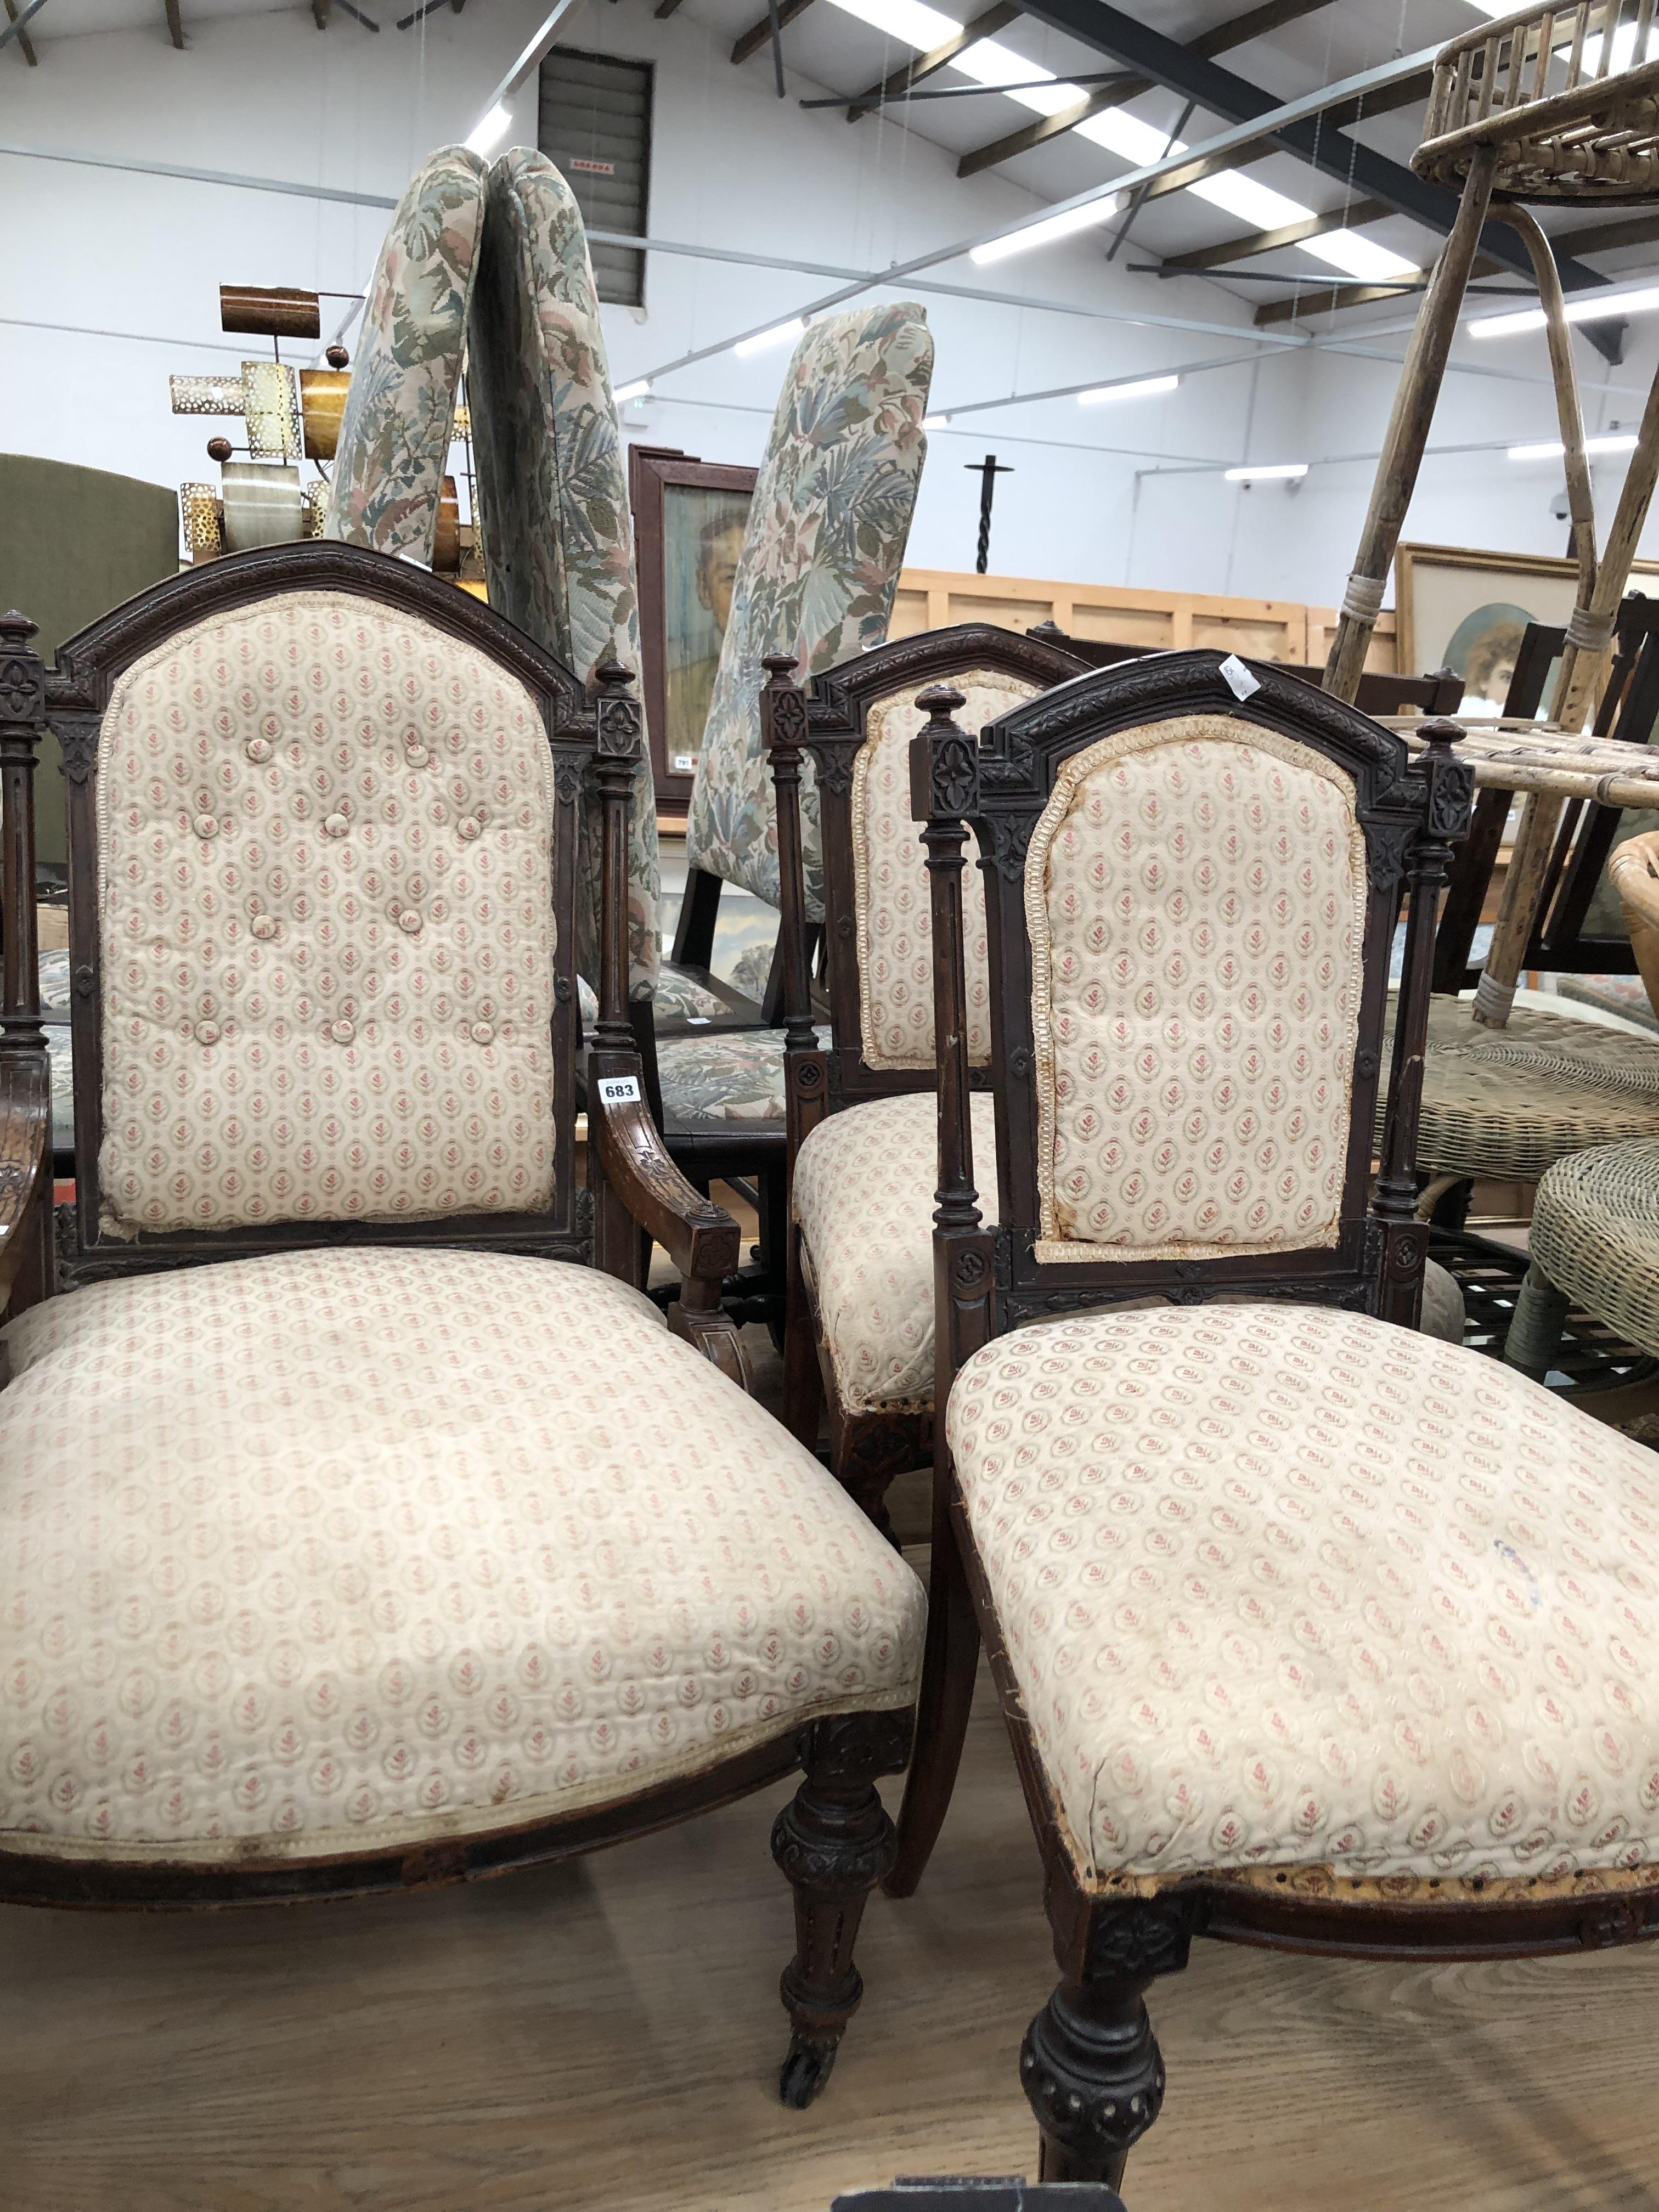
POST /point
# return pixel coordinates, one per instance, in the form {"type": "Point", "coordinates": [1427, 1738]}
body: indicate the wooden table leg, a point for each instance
{"type": "Point", "coordinates": [1517, 908]}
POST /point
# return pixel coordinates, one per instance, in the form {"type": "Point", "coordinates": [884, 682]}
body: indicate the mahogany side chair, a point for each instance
{"type": "Point", "coordinates": [860, 1100]}
{"type": "Point", "coordinates": [1309, 1630]}
{"type": "Point", "coordinates": [363, 1525]}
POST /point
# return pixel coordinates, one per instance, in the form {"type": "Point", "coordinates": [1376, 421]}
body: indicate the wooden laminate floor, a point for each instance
{"type": "Point", "coordinates": [604, 2035]}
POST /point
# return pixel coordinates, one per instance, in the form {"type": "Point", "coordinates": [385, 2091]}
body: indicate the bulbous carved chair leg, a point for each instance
{"type": "Point", "coordinates": [1090, 2066]}
{"type": "Point", "coordinates": [833, 1843]}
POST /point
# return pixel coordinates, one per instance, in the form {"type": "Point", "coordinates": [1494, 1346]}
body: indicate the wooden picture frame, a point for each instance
{"type": "Point", "coordinates": [1540, 585]}
{"type": "Point", "coordinates": [676, 500]}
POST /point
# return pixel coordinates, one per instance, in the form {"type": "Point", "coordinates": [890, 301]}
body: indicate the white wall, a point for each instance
{"type": "Point", "coordinates": [266, 95]}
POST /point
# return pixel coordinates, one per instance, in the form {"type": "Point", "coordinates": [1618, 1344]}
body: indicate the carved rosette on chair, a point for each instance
{"type": "Point", "coordinates": [1533, 108]}
{"type": "Point", "coordinates": [329, 1307]}
{"type": "Point", "coordinates": [1217, 1396]}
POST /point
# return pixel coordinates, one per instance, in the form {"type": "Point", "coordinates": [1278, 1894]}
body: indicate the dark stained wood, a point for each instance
{"type": "Point", "coordinates": [758, 34]}
{"type": "Point", "coordinates": [867, 1450]}
{"type": "Point", "coordinates": [1381, 691]}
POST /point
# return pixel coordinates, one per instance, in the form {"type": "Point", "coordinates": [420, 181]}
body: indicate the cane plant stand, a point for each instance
{"type": "Point", "coordinates": [1526, 109]}
{"type": "Point", "coordinates": [1270, 1582]}
{"type": "Point", "coordinates": [363, 1525]}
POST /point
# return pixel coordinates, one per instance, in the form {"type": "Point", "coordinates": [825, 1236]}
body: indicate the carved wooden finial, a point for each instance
{"type": "Point", "coordinates": [1442, 735]}
{"type": "Point", "coordinates": [779, 666]}
{"type": "Point", "coordinates": [15, 631]}
{"type": "Point", "coordinates": [613, 676]}
{"type": "Point", "coordinates": [338, 358]}
{"type": "Point", "coordinates": [940, 701]}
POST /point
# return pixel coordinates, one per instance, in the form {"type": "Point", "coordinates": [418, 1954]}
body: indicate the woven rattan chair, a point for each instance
{"type": "Point", "coordinates": [1634, 869]}
{"type": "Point", "coordinates": [1278, 1596]}
{"type": "Point", "coordinates": [1536, 108]}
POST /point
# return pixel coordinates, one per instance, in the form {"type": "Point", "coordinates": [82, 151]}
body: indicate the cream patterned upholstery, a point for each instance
{"type": "Point", "coordinates": [326, 929]}
{"type": "Point", "coordinates": [891, 909]}
{"type": "Point", "coordinates": [864, 1195]}
{"type": "Point", "coordinates": [348, 1550]}
{"type": "Point", "coordinates": [1195, 894]}
{"type": "Point", "coordinates": [1285, 1587]}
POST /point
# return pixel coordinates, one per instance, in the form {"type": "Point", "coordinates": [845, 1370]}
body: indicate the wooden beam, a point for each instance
{"type": "Point", "coordinates": [1271, 242]}
{"type": "Point", "coordinates": [25, 43]}
{"type": "Point", "coordinates": [665, 8]}
{"type": "Point", "coordinates": [320, 13]}
{"type": "Point", "coordinates": [1329, 299]}
{"type": "Point", "coordinates": [1608, 237]}
{"type": "Point", "coordinates": [760, 34]}
{"type": "Point", "coordinates": [924, 65]}
{"type": "Point", "coordinates": [175, 24]}
{"type": "Point", "coordinates": [1270, 16]}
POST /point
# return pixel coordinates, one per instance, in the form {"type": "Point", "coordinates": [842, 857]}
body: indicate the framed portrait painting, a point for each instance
{"type": "Point", "coordinates": [1461, 608]}
{"type": "Point", "coordinates": [689, 516]}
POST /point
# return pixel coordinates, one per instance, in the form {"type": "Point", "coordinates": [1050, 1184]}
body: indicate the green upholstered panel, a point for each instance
{"type": "Point", "coordinates": [74, 543]}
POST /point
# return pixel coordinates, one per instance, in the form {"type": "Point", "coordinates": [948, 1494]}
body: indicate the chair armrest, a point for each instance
{"type": "Point", "coordinates": [701, 1238]}
{"type": "Point", "coordinates": [25, 1165]}
{"type": "Point", "coordinates": [1634, 868]}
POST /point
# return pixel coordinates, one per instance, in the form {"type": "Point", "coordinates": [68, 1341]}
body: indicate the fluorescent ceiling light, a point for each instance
{"type": "Point", "coordinates": [919, 26]}
{"type": "Point", "coordinates": [1359, 257]}
{"type": "Point", "coordinates": [935, 422]}
{"type": "Point", "coordinates": [1142, 388]}
{"type": "Point", "coordinates": [1553, 449]}
{"type": "Point", "coordinates": [761, 339]}
{"type": "Point", "coordinates": [639, 390]}
{"type": "Point", "coordinates": [1261, 471]}
{"type": "Point", "coordinates": [490, 130]}
{"type": "Point", "coordinates": [1046, 233]}
{"type": "Point", "coordinates": [1595, 308]}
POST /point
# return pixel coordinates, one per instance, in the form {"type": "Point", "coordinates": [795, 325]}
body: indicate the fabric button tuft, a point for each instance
{"type": "Point", "coordinates": [342, 1032]}
{"type": "Point", "coordinates": [258, 749]}
{"type": "Point", "coordinates": [335, 825]}
{"type": "Point", "coordinates": [206, 826]}
{"type": "Point", "coordinates": [410, 922]}
{"type": "Point", "coordinates": [468, 826]}
{"type": "Point", "coordinates": [416, 756]}
{"type": "Point", "coordinates": [483, 1033]}
{"type": "Point", "coordinates": [264, 925]}
{"type": "Point", "coordinates": [207, 1032]}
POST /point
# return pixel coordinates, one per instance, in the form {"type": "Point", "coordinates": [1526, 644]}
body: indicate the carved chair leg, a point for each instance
{"type": "Point", "coordinates": [1093, 2075]}
{"type": "Point", "coordinates": [803, 1377]}
{"type": "Point", "coordinates": [833, 1843]}
{"type": "Point", "coordinates": [947, 1696]}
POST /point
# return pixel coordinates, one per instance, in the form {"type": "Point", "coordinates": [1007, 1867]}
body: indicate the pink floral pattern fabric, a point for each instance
{"type": "Point", "coordinates": [326, 835]}
{"type": "Point", "coordinates": [400, 409]}
{"type": "Point", "coordinates": [553, 491]}
{"type": "Point", "coordinates": [864, 1195]}
{"type": "Point", "coordinates": [1196, 894]}
{"type": "Point", "coordinates": [892, 909]}
{"type": "Point", "coordinates": [1285, 1587]}
{"type": "Point", "coordinates": [819, 567]}
{"type": "Point", "coordinates": [351, 1550]}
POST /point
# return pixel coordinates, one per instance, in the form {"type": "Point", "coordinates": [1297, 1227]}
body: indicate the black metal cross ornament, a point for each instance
{"type": "Point", "coordinates": [987, 471]}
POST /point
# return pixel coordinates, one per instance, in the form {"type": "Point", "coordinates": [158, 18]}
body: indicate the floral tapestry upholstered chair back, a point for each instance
{"type": "Point", "coordinates": [325, 925]}
{"type": "Point", "coordinates": [552, 484]}
{"type": "Point", "coordinates": [1195, 894]}
{"type": "Point", "coordinates": [400, 410]}
{"type": "Point", "coordinates": [819, 566]}
{"type": "Point", "coordinates": [892, 921]}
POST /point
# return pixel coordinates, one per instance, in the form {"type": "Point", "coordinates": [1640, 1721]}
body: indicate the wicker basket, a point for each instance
{"type": "Point", "coordinates": [1634, 869]}
{"type": "Point", "coordinates": [1566, 96]}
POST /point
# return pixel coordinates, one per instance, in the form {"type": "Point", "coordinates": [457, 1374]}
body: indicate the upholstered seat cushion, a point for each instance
{"type": "Point", "coordinates": [1509, 1103]}
{"type": "Point", "coordinates": [1287, 1587]}
{"type": "Point", "coordinates": [864, 1195]}
{"type": "Point", "coordinates": [1596, 1235]}
{"type": "Point", "coordinates": [723, 1083]}
{"type": "Point", "coordinates": [340, 1551]}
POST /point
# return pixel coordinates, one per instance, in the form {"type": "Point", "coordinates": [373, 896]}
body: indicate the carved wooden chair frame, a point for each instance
{"type": "Point", "coordinates": [833, 1841]}
{"type": "Point", "coordinates": [829, 720]}
{"type": "Point", "coordinates": [1090, 2063]}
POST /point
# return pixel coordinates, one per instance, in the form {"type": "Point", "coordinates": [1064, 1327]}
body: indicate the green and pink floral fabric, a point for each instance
{"type": "Point", "coordinates": [400, 410]}
{"type": "Point", "coordinates": [552, 488]}
{"type": "Point", "coordinates": [819, 566]}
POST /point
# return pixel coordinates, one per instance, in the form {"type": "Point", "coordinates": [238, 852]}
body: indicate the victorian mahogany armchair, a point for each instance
{"type": "Point", "coordinates": [863, 1147]}
{"type": "Point", "coordinates": [361, 1524]}
{"type": "Point", "coordinates": [1309, 1630]}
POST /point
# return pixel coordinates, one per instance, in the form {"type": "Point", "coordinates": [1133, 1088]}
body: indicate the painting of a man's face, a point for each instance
{"type": "Point", "coordinates": [717, 567]}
